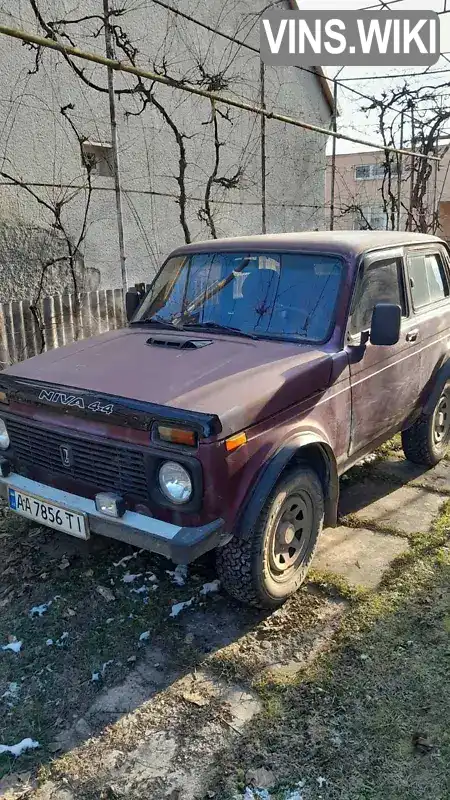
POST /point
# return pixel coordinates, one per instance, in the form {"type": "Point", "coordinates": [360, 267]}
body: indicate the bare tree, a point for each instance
{"type": "Point", "coordinates": [415, 117]}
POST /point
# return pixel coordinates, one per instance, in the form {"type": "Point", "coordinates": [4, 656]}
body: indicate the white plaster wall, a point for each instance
{"type": "Point", "coordinates": [38, 146]}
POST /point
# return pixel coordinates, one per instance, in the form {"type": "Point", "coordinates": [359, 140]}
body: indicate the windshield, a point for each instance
{"type": "Point", "coordinates": [287, 295]}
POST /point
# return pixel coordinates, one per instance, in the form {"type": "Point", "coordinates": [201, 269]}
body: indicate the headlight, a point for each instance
{"type": "Point", "coordinates": [175, 482]}
{"type": "Point", "coordinates": [4, 438]}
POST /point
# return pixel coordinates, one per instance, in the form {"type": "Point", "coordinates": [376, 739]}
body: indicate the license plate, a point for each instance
{"type": "Point", "coordinates": [58, 517]}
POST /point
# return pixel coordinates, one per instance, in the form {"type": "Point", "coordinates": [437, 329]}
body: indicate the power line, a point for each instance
{"type": "Point", "coordinates": [377, 5]}
{"type": "Point", "coordinates": [213, 97]}
{"type": "Point", "coordinates": [398, 75]}
{"type": "Point", "coordinates": [393, 2]}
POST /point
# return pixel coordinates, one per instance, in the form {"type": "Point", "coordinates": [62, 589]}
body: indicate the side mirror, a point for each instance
{"type": "Point", "coordinates": [132, 300]}
{"type": "Point", "coordinates": [386, 321]}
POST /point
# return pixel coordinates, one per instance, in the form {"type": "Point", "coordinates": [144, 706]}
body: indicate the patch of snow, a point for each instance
{"type": "Point", "coordinates": [256, 794]}
{"type": "Point", "coordinates": [125, 560]}
{"type": "Point", "coordinates": [210, 588]}
{"type": "Point", "coordinates": [252, 793]}
{"type": "Point", "coordinates": [17, 749]}
{"type": "Point", "coordinates": [12, 691]}
{"type": "Point", "coordinates": [142, 590]}
{"type": "Point", "coordinates": [97, 675]}
{"type": "Point", "coordinates": [144, 636]}
{"type": "Point", "coordinates": [295, 794]}
{"type": "Point", "coordinates": [14, 646]}
{"type": "Point", "coordinates": [180, 574]}
{"type": "Point", "coordinates": [369, 459]}
{"type": "Point", "coordinates": [151, 577]}
{"type": "Point", "coordinates": [109, 620]}
{"type": "Point", "coordinates": [49, 642]}
{"type": "Point", "coordinates": [128, 578]}
{"type": "Point", "coordinates": [321, 781]}
{"type": "Point", "coordinates": [39, 611]}
{"type": "Point", "coordinates": [179, 607]}
{"type": "Point", "coordinates": [62, 639]}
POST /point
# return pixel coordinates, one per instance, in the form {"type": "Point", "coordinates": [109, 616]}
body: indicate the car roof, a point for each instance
{"type": "Point", "coordinates": [342, 242]}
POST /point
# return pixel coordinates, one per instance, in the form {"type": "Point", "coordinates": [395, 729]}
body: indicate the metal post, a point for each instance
{"type": "Point", "coordinates": [411, 187]}
{"type": "Point", "coordinates": [333, 157]}
{"type": "Point", "coordinates": [263, 149]}
{"type": "Point", "coordinates": [435, 166]}
{"type": "Point", "coordinates": [400, 172]}
{"type": "Point", "coordinates": [115, 154]}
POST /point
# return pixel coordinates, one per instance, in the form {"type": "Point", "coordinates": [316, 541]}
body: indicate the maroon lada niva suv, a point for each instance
{"type": "Point", "coordinates": [252, 373]}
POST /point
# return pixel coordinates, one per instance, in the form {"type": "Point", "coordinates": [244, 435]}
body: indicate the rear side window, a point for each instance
{"type": "Point", "coordinates": [379, 282]}
{"type": "Point", "coordinates": [428, 279]}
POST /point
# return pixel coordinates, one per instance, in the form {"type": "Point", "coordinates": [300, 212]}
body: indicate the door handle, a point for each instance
{"type": "Point", "coordinates": [412, 336]}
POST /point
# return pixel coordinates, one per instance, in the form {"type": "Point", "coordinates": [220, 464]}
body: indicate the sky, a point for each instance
{"type": "Point", "coordinates": [351, 119]}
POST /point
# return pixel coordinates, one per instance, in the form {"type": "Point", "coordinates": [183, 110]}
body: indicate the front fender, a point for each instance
{"type": "Point", "coordinates": [317, 453]}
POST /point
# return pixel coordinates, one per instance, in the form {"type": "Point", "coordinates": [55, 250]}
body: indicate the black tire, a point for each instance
{"type": "Point", "coordinates": [255, 570]}
{"type": "Point", "coordinates": [427, 440]}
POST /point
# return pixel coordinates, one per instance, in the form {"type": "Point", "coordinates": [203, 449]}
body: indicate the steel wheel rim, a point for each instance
{"type": "Point", "coordinates": [441, 420]}
{"type": "Point", "coordinates": [291, 535]}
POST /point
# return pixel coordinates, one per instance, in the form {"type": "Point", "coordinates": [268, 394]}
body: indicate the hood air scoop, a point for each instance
{"type": "Point", "coordinates": [178, 342]}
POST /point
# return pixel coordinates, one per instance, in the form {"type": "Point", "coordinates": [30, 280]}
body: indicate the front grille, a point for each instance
{"type": "Point", "coordinates": [103, 465]}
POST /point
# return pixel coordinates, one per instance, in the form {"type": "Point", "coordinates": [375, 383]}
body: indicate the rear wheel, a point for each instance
{"type": "Point", "coordinates": [427, 440]}
{"type": "Point", "coordinates": [268, 567]}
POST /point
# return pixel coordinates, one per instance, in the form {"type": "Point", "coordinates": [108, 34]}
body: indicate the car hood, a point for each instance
{"type": "Point", "coordinates": [242, 381]}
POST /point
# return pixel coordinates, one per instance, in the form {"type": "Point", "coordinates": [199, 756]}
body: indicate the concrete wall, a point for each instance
{"type": "Point", "coordinates": [38, 145]}
{"type": "Point", "coordinates": [352, 194]}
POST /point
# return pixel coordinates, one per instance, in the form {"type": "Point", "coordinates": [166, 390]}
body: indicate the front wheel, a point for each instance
{"type": "Point", "coordinates": [270, 565]}
{"type": "Point", "coordinates": [427, 440]}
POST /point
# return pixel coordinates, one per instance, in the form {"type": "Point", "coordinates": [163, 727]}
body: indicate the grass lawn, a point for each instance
{"type": "Point", "coordinates": [366, 719]}
{"type": "Point", "coordinates": [369, 720]}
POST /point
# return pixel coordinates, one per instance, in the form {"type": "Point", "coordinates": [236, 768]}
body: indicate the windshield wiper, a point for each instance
{"type": "Point", "coordinates": [216, 326]}
{"type": "Point", "coordinates": [160, 321]}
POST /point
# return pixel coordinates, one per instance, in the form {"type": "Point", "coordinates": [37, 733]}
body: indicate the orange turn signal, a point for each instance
{"type": "Point", "coordinates": [235, 441]}
{"type": "Point", "coordinates": [177, 435]}
{"type": "Point", "coordinates": [3, 397]}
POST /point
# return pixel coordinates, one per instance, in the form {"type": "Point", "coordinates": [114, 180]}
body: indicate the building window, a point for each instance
{"type": "Point", "coordinates": [97, 158]}
{"type": "Point", "coordinates": [370, 172]}
{"type": "Point", "coordinates": [370, 218]}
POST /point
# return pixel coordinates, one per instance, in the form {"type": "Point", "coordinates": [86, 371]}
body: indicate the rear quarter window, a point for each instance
{"type": "Point", "coordinates": [428, 279]}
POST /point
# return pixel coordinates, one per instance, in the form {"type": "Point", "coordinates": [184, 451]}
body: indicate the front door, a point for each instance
{"type": "Point", "coordinates": [384, 380]}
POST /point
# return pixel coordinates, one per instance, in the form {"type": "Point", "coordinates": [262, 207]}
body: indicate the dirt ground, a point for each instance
{"type": "Point", "coordinates": [342, 693]}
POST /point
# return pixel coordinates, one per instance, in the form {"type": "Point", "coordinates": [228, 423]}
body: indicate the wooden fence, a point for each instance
{"type": "Point", "coordinates": [26, 331]}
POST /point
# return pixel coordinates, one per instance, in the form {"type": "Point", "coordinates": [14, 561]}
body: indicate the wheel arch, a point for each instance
{"type": "Point", "coordinates": [439, 382]}
{"type": "Point", "coordinates": [305, 448]}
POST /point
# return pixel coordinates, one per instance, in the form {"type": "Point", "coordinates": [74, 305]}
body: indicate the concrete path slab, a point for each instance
{"type": "Point", "coordinates": [359, 555]}
{"type": "Point", "coordinates": [405, 510]}
{"type": "Point", "coordinates": [437, 479]}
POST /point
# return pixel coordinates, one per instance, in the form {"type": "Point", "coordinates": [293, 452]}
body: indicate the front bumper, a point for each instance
{"type": "Point", "coordinates": [182, 545]}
